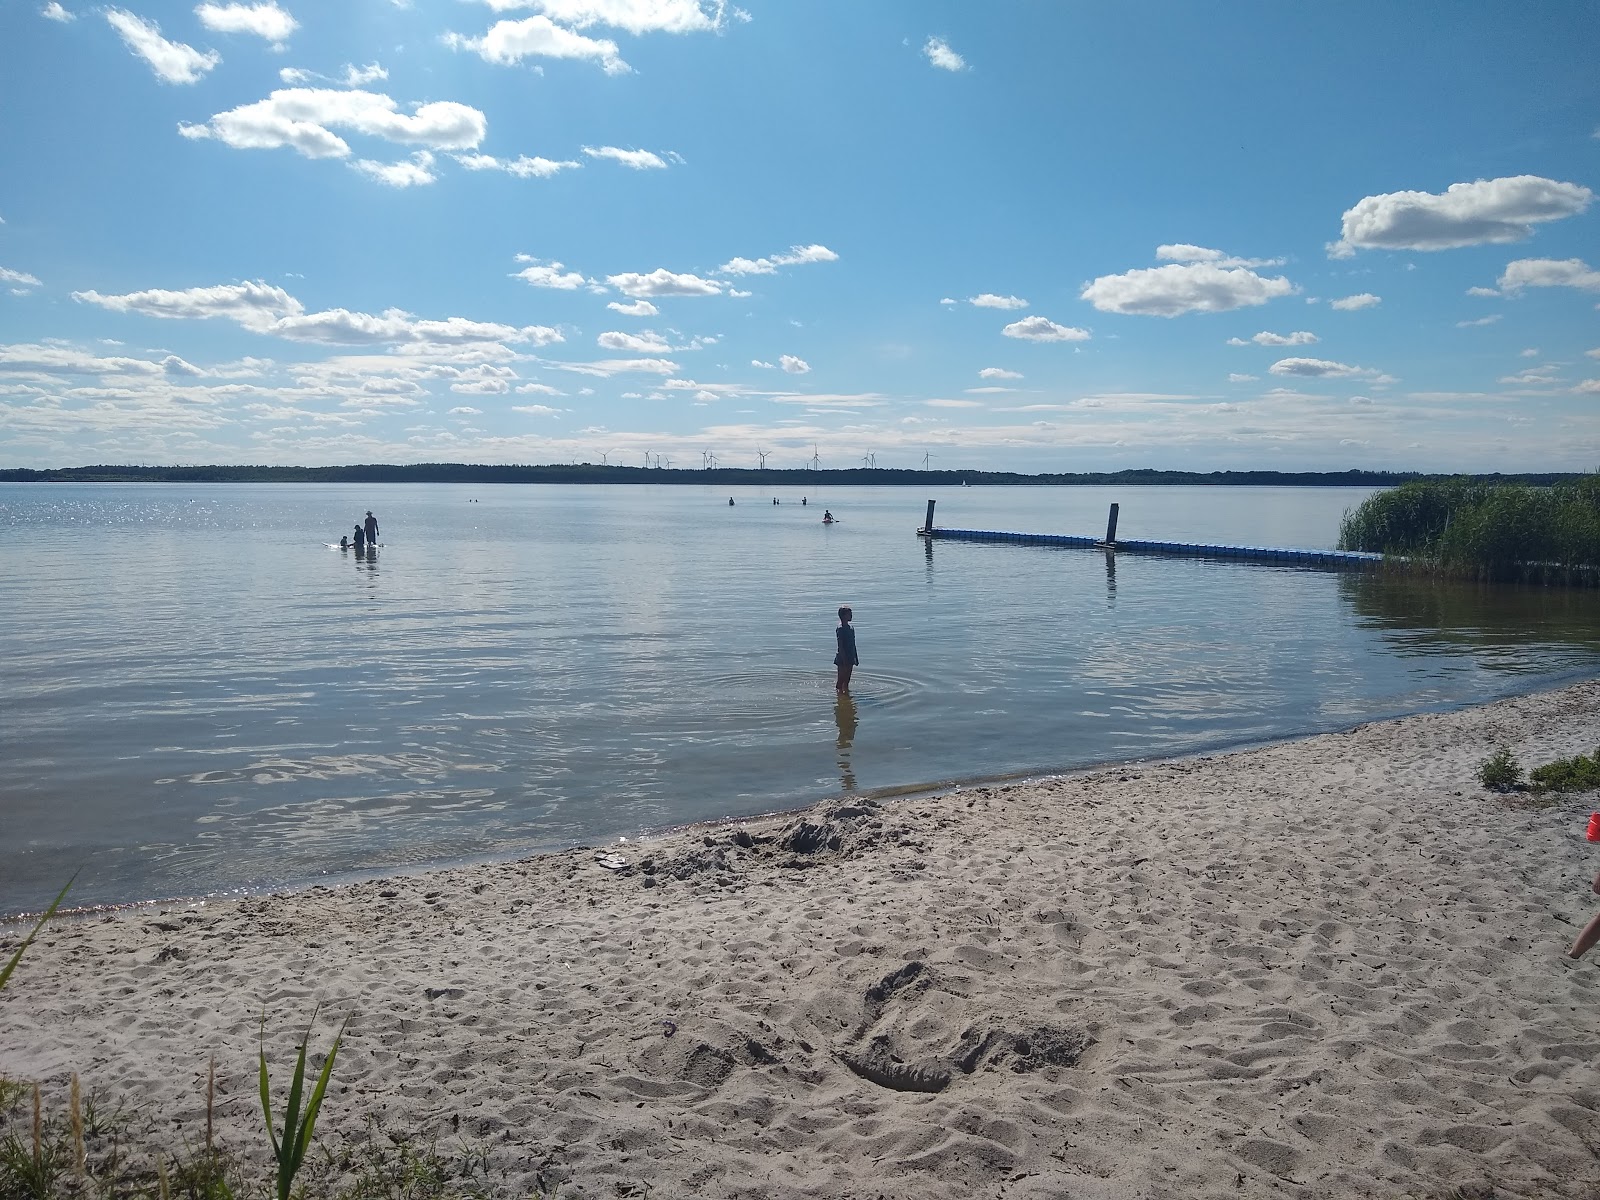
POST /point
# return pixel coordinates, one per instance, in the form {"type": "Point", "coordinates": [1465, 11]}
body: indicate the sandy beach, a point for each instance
{"type": "Point", "coordinates": [1327, 968]}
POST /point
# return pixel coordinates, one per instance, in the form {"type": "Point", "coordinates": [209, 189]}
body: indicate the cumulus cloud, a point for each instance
{"type": "Point", "coordinates": [1482, 291]}
{"type": "Point", "coordinates": [1042, 329]}
{"type": "Point", "coordinates": [639, 308]}
{"type": "Point", "coordinates": [465, 411]}
{"type": "Point", "coordinates": [639, 160]}
{"type": "Point", "coordinates": [1299, 337]}
{"type": "Point", "coordinates": [304, 119]}
{"type": "Point", "coordinates": [1358, 301]}
{"type": "Point", "coordinates": [266, 21]}
{"type": "Point", "coordinates": [549, 275]}
{"type": "Point", "coordinates": [635, 16]}
{"type": "Point", "coordinates": [522, 167]}
{"type": "Point", "coordinates": [662, 282]}
{"type": "Point", "coordinates": [54, 12]}
{"type": "Point", "coordinates": [1317, 368]}
{"type": "Point", "coordinates": [1236, 378]}
{"type": "Point", "coordinates": [644, 342]}
{"type": "Point", "coordinates": [768, 266]}
{"type": "Point", "coordinates": [1179, 288]}
{"type": "Point", "coordinates": [509, 42]}
{"type": "Point", "coordinates": [1465, 214]}
{"type": "Point", "coordinates": [1589, 387]}
{"type": "Point", "coordinates": [173, 62]}
{"type": "Point", "coordinates": [538, 389]}
{"type": "Point", "coordinates": [535, 410]}
{"type": "Point", "coordinates": [793, 365]}
{"type": "Point", "coordinates": [938, 52]}
{"type": "Point", "coordinates": [1550, 272]}
{"type": "Point", "coordinates": [990, 300]}
{"type": "Point", "coordinates": [765, 366]}
{"type": "Point", "coordinates": [998, 373]}
{"type": "Point", "coordinates": [263, 308]}
{"type": "Point", "coordinates": [410, 172]}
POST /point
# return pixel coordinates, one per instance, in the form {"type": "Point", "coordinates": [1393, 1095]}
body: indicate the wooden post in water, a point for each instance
{"type": "Point", "coordinates": [1111, 526]}
{"type": "Point", "coordinates": [927, 528]}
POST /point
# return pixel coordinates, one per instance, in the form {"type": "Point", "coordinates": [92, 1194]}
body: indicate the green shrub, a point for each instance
{"type": "Point", "coordinates": [1500, 772]}
{"type": "Point", "coordinates": [1580, 773]}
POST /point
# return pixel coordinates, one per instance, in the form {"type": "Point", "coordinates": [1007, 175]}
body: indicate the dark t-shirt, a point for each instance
{"type": "Point", "coordinates": [846, 636]}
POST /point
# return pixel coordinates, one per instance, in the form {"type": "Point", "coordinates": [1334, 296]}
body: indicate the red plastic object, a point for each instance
{"type": "Point", "coordinates": [1594, 827]}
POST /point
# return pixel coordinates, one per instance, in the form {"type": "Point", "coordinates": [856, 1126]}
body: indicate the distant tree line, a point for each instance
{"type": "Point", "coordinates": [603, 473]}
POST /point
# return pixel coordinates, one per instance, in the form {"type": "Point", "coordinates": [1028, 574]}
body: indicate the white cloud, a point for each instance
{"type": "Point", "coordinates": [1550, 272]}
{"type": "Point", "coordinates": [54, 12]}
{"type": "Point", "coordinates": [1235, 378]}
{"type": "Point", "coordinates": [765, 366]}
{"type": "Point", "coordinates": [411, 172]}
{"type": "Point", "coordinates": [1317, 368]}
{"type": "Point", "coordinates": [738, 295]}
{"type": "Point", "coordinates": [535, 410]}
{"type": "Point", "coordinates": [938, 52]}
{"type": "Point", "coordinates": [262, 308]}
{"type": "Point", "coordinates": [304, 119]}
{"type": "Point", "coordinates": [1589, 387]}
{"type": "Point", "coordinates": [953, 403]}
{"type": "Point", "coordinates": [768, 266]}
{"type": "Point", "coordinates": [635, 16]}
{"type": "Point", "coordinates": [481, 387]}
{"type": "Point", "coordinates": [1299, 337]}
{"type": "Point", "coordinates": [266, 21]}
{"type": "Point", "coordinates": [662, 282]}
{"type": "Point", "coordinates": [538, 389]}
{"type": "Point", "coordinates": [509, 42]}
{"type": "Point", "coordinates": [21, 281]}
{"type": "Point", "coordinates": [1482, 291]}
{"type": "Point", "coordinates": [949, 300]}
{"type": "Point", "coordinates": [639, 160]}
{"type": "Point", "coordinates": [173, 62]}
{"type": "Point", "coordinates": [1465, 214]}
{"type": "Point", "coordinates": [1042, 329]}
{"type": "Point", "coordinates": [644, 342]}
{"type": "Point", "coordinates": [522, 167]}
{"type": "Point", "coordinates": [1480, 321]}
{"type": "Point", "coordinates": [618, 366]}
{"type": "Point", "coordinates": [550, 275]}
{"type": "Point", "coordinates": [465, 411]}
{"type": "Point", "coordinates": [1595, 353]}
{"type": "Point", "coordinates": [639, 308]}
{"type": "Point", "coordinates": [355, 76]}
{"type": "Point", "coordinates": [793, 365]}
{"type": "Point", "coordinates": [1359, 300]}
{"type": "Point", "coordinates": [1184, 253]}
{"type": "Point", "coordinates": [1180, 288]}
{"type": "Point", "coordinates": [998, 373]}
{"type": "Point", "coordinates": [25, 357]}
{"type": "Point", "coordinates": [990, 300]}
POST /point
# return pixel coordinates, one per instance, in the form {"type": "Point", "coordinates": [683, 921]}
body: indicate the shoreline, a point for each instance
{"type": "Point", "coordinates": [14, 923]}
{"type": "Point", "coordinates": [1328, 966]}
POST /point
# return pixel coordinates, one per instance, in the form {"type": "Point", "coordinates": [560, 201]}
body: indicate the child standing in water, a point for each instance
{"type": "Point", "coordinates": [846, 658]}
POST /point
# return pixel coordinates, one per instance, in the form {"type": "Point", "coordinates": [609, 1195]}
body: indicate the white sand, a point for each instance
{"type": "Point", "coordinates": [1328, 968]}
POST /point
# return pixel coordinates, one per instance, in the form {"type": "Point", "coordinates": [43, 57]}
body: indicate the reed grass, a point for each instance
{"type": "Point", "coordinates": [1473, 530]}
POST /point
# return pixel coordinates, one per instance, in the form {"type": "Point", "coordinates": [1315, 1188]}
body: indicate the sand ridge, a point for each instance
{"type": "Point", "coordinates": [1330, 967]}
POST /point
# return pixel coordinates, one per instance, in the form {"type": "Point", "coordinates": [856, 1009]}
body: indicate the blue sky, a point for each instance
{"type": "Point", "coordinates": [1026, 236]}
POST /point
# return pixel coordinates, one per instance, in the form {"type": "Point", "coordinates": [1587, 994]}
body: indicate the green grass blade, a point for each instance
{"type": "Point", "coordinates": [34, 932]}
{"type": "Point", "coordinates": [266, 1095]}
{"type": "Point", "coordinates": [314, 1105]}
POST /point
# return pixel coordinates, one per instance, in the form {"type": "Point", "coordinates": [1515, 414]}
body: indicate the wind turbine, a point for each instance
{"type": "Point", "coordinates": [762, 455]}
{"type": "Point", "coordinates": [927, 456]}
{"type": "Point", "coordinates": [816, 458]}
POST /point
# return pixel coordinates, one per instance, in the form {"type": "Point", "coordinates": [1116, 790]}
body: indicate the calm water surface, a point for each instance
{"type": "Point", "coordinates": [198, 695]}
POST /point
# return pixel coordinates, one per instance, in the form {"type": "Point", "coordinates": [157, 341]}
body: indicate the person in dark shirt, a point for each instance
{"type": "Point", "coordinates": [371, 525]}
{"type": "Point", "coordinates": [846, 659]}
{"type": "Point", "coordinates": [360, 539]}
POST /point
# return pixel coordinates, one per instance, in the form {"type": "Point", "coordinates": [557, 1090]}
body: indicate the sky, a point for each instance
{"type": "Point", "coordinates": [1030, 236]}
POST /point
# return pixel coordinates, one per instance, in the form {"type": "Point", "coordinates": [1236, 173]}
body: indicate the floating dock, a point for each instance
{"type": "Point", "coordinates": [1343, 560]}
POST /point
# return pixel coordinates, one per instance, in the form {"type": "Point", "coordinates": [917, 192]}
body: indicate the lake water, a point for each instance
{"type": "Point", "coordinates": [198, 696]}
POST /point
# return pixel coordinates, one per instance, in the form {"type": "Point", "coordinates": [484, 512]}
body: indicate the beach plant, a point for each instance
{"type": "Point", "coordinates": [5, 972]}
{"type": "Point", "coordinates": [1580, 773]}
{"type": "Point", "coordinates": [1500, 772]}
{"type": "Point", "coordinates": [298, 1125]}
